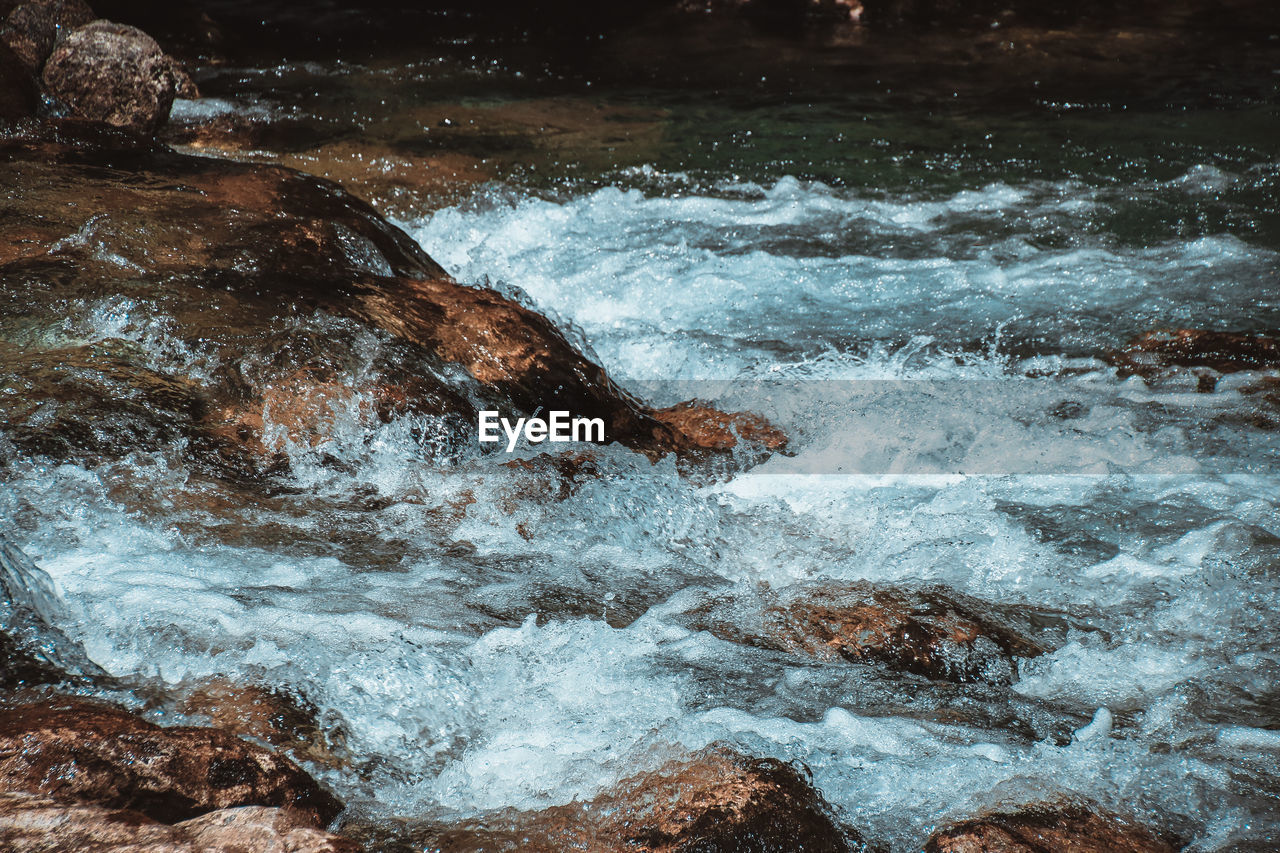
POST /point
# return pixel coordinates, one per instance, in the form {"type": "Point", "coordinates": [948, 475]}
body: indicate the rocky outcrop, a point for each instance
{"type": "Point", "coordinates": [87, 752]}
{"type": "Point", "coordinates": [31, 823]}
{"type": "Point", "coordinates": [114, 74]}
{"type": "Point", "coordinates": [1039, 829]}
{"type": "Point", "coordinates": [32, 29]}
{"type": "Point", "coordinates": [930, 632]}
{"type": "Point", "coordinates": [716, 801]}
{"type": "Point", "coordinates": [1153, 353]}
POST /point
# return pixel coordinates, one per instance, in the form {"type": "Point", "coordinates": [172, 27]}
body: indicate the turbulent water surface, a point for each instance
{"type": "Point", "coordinates": [924, 317]}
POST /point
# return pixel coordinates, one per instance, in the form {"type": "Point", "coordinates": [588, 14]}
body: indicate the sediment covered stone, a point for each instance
{"type": "Point", "coordinates": [31, 823]}
{"type": "Point", "coordinates": [1061, 829]}
{"type": "Point", "coordinates": [930, 632]}
{"type": "Point", "coordinates": [74, 749]}
{"type": "Point", "coordinates": [717, 801]}
{"type": "Point", "coordinates": [111, 73]}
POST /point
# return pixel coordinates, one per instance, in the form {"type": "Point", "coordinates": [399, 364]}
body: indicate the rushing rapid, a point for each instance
{"type": "Point", "coordinates": [483, 637]}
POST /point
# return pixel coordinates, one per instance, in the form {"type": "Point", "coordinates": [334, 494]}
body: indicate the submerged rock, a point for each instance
{"type": "Point", "coordinates": [83, 401]}
{"type": "Point", "coordinates": [32, 29]}
{"type": "Point", "coordinates": [930, 632]}
{"type": "Point", "coordinates": [34, 824]}
{"type": "Point", "coordinates": [75, 749]}
{"type": "Point", "coordinates": [1153, 353]}
{"type": "Point", "coordinates": [114, 74]}
{"type": "Point", "coordinates": [1069, 829]}
{"type": "Point", "coordinates": [717, 801]}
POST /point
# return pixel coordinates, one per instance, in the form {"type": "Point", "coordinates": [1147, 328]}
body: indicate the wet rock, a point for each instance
{"type": "Point", "coordinates": [32, 29]}
{"type": "Point", "coordinates": [1070, 829]}
{"type": "Point", "coordinates": [398, 183]}
{"type": "Point", "coordinates": [31, 823]}
{"type": "Point", "coordinates": [722, 801]}
{"type": "Point", "coordinates": [118, 75]}
{"type": "Point", "coordinates": [268, 714]}
{"type": "Point", "coordinates": [234, 254]}
{"type": "Point", "coordinates": [715, 802]}
{"type": "Point", "coordinates": [20, 667]}
{"type": "Point", "coordinates": [76, 403]}
{"type": "Point", "coordinates": [17, 91]}
{"type": "Point", "coordinates": [256, 828]}
{"type": "Point", "coordinates": [708, 428]}
{"type": "Point", "coordinates": [930, 632]}
{"type": "Point", "coordinates": [1153, 353]}
{"type": "Point", "coordinates": [74, 749]}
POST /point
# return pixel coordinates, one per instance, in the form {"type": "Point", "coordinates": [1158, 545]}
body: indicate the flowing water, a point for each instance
{"type": "Point", "coordinates": [920, 297]}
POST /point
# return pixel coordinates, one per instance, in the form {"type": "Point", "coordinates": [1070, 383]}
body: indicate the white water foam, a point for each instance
{"type": "Point", "coordinates": [487, 638]}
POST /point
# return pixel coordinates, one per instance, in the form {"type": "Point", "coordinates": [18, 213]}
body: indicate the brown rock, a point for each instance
{"type": "Point", "coordinates": [114, 74]}
{"type": "Point", "coordinates": [929, 632]}
{"type": "Point", "coordinates": [268, 714]}
{"type": "Point", "coordinates": [32, 29]}
{"type": "Point", "coordinates": [721, 801]}
{"type": "Point", "coordinates": [75, 402]}
{"type": "Point", "coordinates": [717, 801]}
{"type": "Point", "coordinates": [1152, 353]}
{"type": "Point", "coordinates": [233, 251]}
{"type": "Point", "coordinates": [262, 830]}
{"type": "Point", "coordinates": [1064, 829]}
{"type": "Point", "coordinates": [74, 749]}
{"type": "Point", "coordinates": [30, 823]}
{"type": "Point", "coordinates": [708, 428]}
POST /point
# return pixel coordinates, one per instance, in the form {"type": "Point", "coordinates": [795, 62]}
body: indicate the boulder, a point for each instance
{"type": "Point", "coordinates": [32, 29]}
{"type": "Point", "coordinates": [716, 801]}
{"type": "Point", "coordinates": [114, 74]}
{"type": "Point", "coordinates": [722, 801]}
{"type": "Point", "coordinates": [234, 254]}
{"type": "Point", "coordinates": [78, 402]}
{"type": "Point", "coordinates": [1064, 829]}
{"type": "Point", "coordinates": [83, 751]}
{"type": "Point", "coordinates": [31, 823]}
{"type": "Point", "coordinates": [930, 632]}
